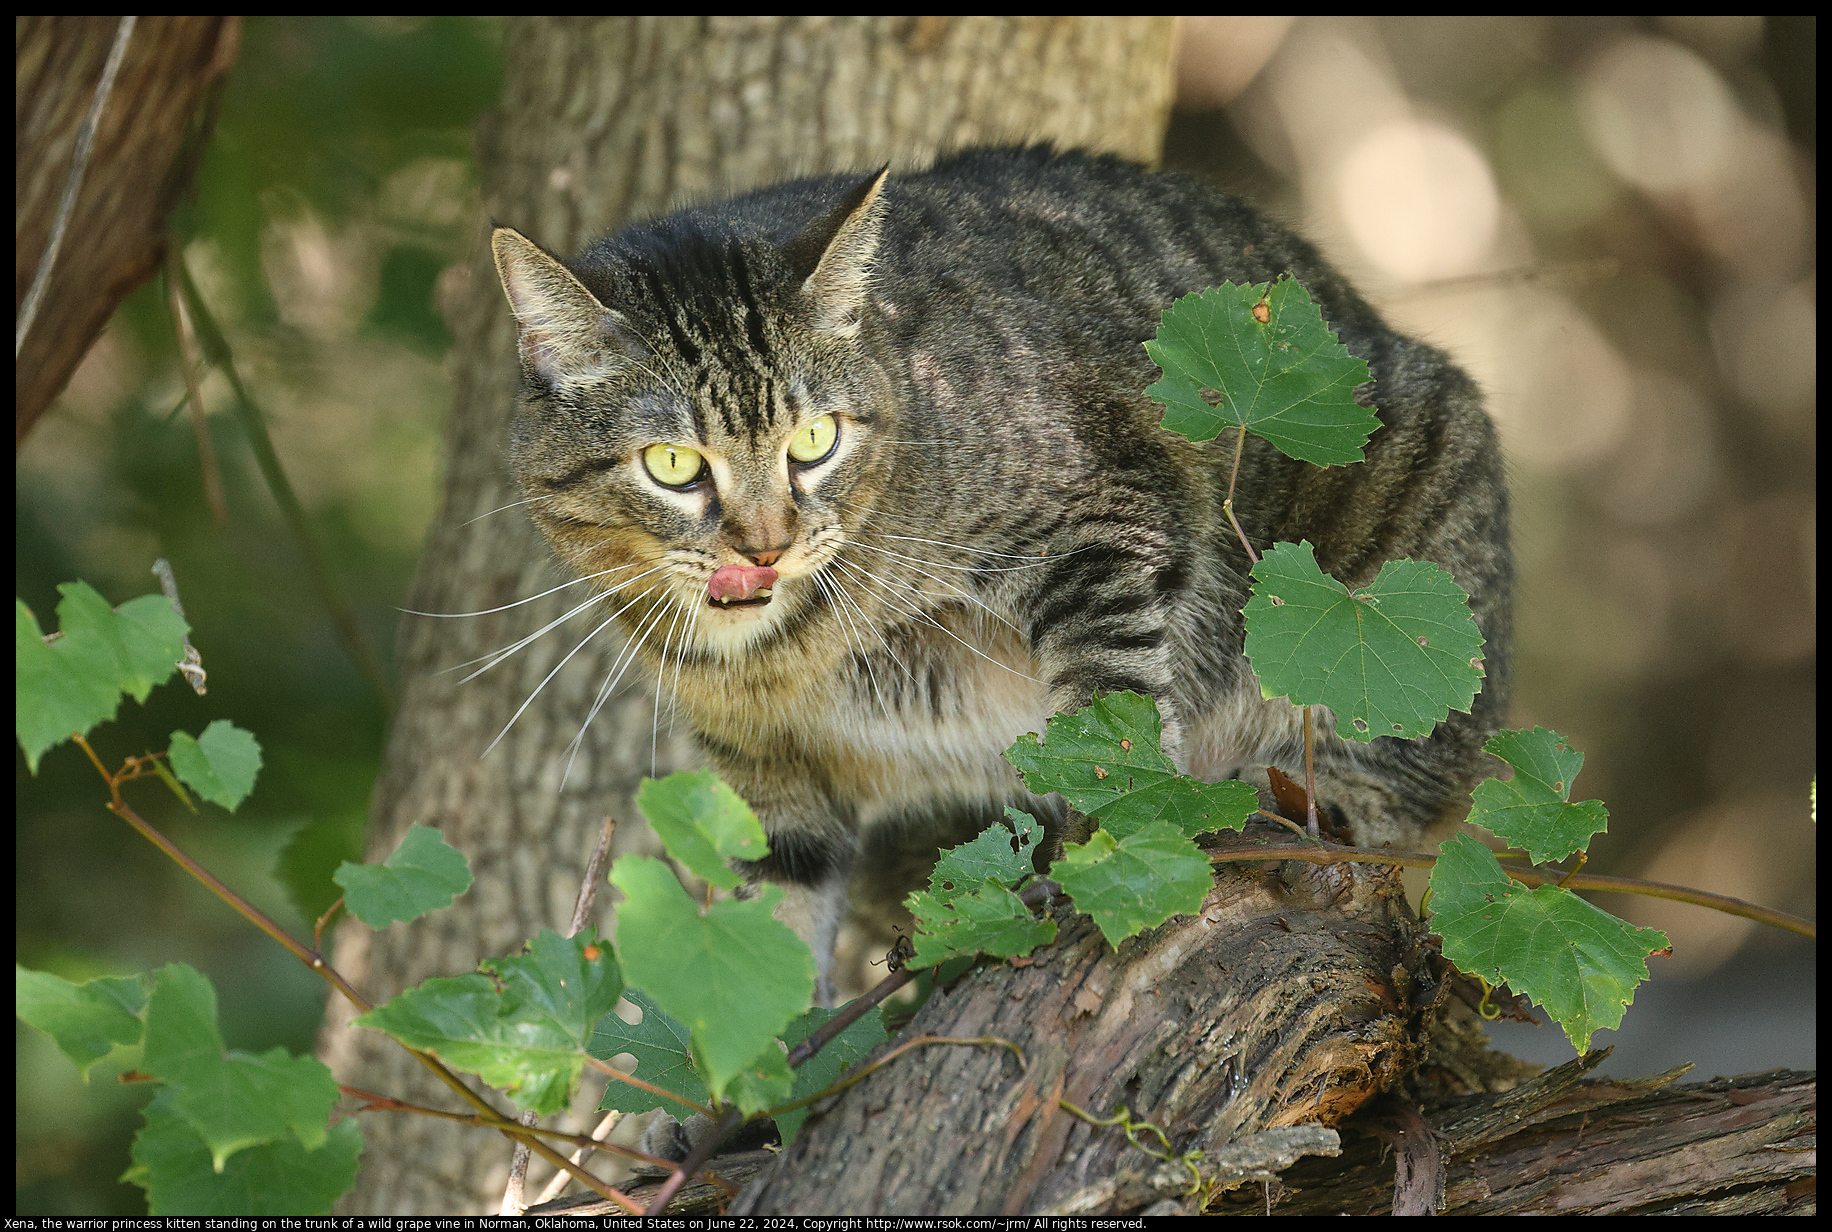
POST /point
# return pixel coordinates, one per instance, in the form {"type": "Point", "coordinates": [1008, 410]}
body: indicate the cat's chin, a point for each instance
{"type": "Point", "coordinates": [730, 628]}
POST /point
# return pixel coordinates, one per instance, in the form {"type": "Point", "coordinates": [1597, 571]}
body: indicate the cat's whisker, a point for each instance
{"type": "Point", "coordinates": [511, 505]}
{"type": "Point", "coordinates": [618, 667]}
{"type": "Point", "coordinates": [858, 570]}
{"type": "Point", "coordinates": [835, 596]}
{"type": "Point", "coordinates": [497, 656]}
{"type": "Point", "coordinates": [865, 622]}
{"type": "Point", "coordinates": [549, 676]}
{"type": "Point", "coordinates": [965, 550]}
{"type": "Point", "coordinates": [674, 694]}
{"type": "Point", "coordinates": [1032, 562]}
{"type": "Point", "coordinates": [655, 725]}
{"type": "Point", "coordinates": [505, 607]}
{"type": "Point", "coordinates": [943, 581]}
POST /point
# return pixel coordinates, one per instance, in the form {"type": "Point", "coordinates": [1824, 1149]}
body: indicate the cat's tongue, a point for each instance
{"type": "Point", "coordinates": [736, 582]}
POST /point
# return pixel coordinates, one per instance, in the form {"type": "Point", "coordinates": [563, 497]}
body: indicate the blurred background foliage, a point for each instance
{"type": "Point", "coordinates": [338, 189]}
{"type": "Point", "coordinates": [1609, 221]}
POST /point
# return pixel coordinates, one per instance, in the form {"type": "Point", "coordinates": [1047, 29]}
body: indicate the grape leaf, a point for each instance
{"type": "Point", "coordinates": [72, 684]}
{"type": "Point", "coordinates": [1392, 659]}
{"type": "Point", "coordinates": [422, 874]}
{"type": "Point", "coordinates": [762, 1082]}
{"type": "Point", "coordinates": [219, 765]}
{"type": "Point", "coordinates": [988, 919]}
{"type": "Point", "coordinates": [1576, 960]}
{"type": "Point", "coordinates": [1532, 810]}
{"type": "Point", "coordinates": [732, 973]}
{"type": "Point", "coordinates": [1106, 761]}
{"type": "Point", "coordinates": [525, 1038]}
{"type": "Point", "coordinates": [570, 981]}
{"type": "Point", "coordinates": [85, 1020]}
{"type": "Point", "coordinates": [969, 908]}
{"type": "Point", "coordinates": [279, 1178]}
{"type": "Point", "coordinates": [825, 1067]}
{"type": "Point", "coordinates": [1285, 378]}
{"type": "Point", "coordinates": [663, 1050]}
{"type": "Point", "coordinates": [990, 855]}
{"type": "Point", "coordinates": [232, 1100]}
{"type": "Point", "coordinates": [702, 823]}
{"type": "Point", "coordinates": [1134, 883]}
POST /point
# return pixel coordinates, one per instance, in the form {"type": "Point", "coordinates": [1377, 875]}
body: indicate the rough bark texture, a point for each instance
{"type": "Point", "coordinates": [141, 162]}
{"type": "Point", "coordinates": [1561, 1146]}
{"type": "Point", "coordinates": [1292, 998]}
{"type": "Point", "coordinates": [603, 120]}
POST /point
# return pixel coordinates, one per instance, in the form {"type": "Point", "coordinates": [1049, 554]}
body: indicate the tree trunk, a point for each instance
{"type": "Point", "coordinates": [1560, 1146]}
{"type": "Point", "coordinates": [142, 159]}
{"type": "Point", "coordinates": [1294, 1002]}
{"type": "Point", "coordinates": [1292, 998]}
{"type": "Point", "coordinates": [602, 121]}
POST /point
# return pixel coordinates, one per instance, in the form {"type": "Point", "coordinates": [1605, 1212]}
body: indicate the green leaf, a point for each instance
{"type": "Point", "coordinates": [70, 685]}
{"type": "Point", "coordinates": [1106, 761]}
{"type": "Point", "coordinates": [1532, 810]}
{"type": "Point", "coordinates": [572, 981]}
{"type": "Point", "coordinates": [1000, 853]}
{"type": "Point", "coordinates": [1286, 379]}
{"type": "Point", "coordinates": [85, 1020]}
{"type": "Point", "coordinates": [825, 1067]}
{"type": "Point", "coordinates": [524, 1030]}
{"type": "Point", "coordinates": [1576, 960]}
{"type": "Point", "coordinates": [987, 920]}
{"type": "Point", "coordinates": [663, 1049]}
{"type": "Point", "coordinates": [1392, 659]}
{"type": "Point", "coordinates": [422, 875]}
{"type": "Point", "coordinates": [731, 972]}
{"type": "Point", "coordinates": [763, 1082]}
{"type": "Point", "coordinates": [175, 1167]}
{"type": "Point", "coordinates": [151, 634]}
{"type": "Point", "coordinates": [219, 765]}
{"type": "Point", "coordinates": [312, 857]}
{"type": "Point", "coordinates": [1135, 883]}
{"type": "Point", "coordinates": [232, 1100]}
{"type": "Point", "coordinates": [702, 823]}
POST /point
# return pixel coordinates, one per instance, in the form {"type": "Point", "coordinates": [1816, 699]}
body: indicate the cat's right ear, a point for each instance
{"type": "Point", "coordinates": [562, 331]}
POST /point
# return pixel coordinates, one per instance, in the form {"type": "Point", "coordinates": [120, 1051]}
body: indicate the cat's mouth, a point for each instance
{"type": "Point", "coordinates": [740, 586]}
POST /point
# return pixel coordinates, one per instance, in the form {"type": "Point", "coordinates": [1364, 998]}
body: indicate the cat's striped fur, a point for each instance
{"type": "Point", "coordinates": [1001, 527]}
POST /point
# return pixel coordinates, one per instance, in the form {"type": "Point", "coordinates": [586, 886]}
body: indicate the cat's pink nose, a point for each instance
{"type": "Point", "coordinates": [736, 582]}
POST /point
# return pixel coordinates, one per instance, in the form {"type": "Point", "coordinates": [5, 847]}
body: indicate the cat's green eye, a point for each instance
{"type": "Point", "coordinates": [673, 465]}
{"type": "Point", "coordinates": [814, 439]}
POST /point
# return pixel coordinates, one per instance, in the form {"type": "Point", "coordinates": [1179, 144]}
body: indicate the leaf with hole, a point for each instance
{"type": "Point", "coordinates": [1392, 658]}
{"type": "Point", "coordinates": [1261, 357]}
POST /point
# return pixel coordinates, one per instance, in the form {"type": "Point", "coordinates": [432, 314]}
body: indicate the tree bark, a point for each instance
{"type": "Point", "coordinates": [143, 156]}
{"type": "Point", "coordinates": [1561, 1146]}
{"type": "Point", "coordinates": [1292, 998]}
{"type": "Point", "coordinates": [602, 121]}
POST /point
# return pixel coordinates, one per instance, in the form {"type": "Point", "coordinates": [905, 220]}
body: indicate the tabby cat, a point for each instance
{"type": "Point", "coordinates": [865, 467]}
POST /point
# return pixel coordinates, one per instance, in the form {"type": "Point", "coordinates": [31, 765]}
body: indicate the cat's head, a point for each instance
{"type": "Point", "coordinates": [700, 428]}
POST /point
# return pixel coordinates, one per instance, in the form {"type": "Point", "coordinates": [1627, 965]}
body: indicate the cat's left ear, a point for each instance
{"type": "Point", "coordinates": [834, 256]}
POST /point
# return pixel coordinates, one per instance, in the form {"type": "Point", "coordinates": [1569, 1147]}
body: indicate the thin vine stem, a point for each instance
{"type": "Point", "coordinates": [1227, 506]}
{"type": "Point", "coordinates": [315, 962]}
{"type": "Point", "coordinates": [1530, 878]}
{"type": "Point", "coordinates": [611, 1071]}
{"type": "Point", "coordinates": [920, 1041]}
